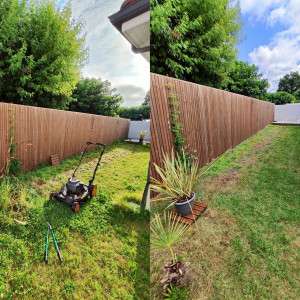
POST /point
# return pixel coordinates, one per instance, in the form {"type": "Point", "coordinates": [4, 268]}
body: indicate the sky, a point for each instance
{"type": "Point", "coordinates": [271, 37]}
{"type": "Point", "coordinates": [110, 55]}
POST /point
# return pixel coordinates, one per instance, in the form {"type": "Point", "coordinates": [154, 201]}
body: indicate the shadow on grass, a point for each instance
{"type": "Point", "coordinates": [125, 220]}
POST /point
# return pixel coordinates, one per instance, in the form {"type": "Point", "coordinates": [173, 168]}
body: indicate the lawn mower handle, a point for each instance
{"type": "Point", "coordinates": [87, 145]}
{"type": "Point", "coordinates": [98, 164]}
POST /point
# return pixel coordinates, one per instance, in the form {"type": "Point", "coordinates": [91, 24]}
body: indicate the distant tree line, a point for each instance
{"type": "Point", "coordinates": [95, 96]}
{"type": "Point", "coordinates": [246, 80]}
{"type": "Point", "coordinates": [135, 113]}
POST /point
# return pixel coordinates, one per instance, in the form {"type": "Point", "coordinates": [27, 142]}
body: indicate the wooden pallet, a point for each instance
{"type": "Point", "coordinates": [55, 160]}
{"type": "Point", "coordinates": [198, 209]}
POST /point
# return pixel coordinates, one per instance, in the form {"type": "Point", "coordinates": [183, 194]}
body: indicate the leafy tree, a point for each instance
{"type": "Point", "coordinates": [94, 96]}
{"type": "Point", "coordinates": [297, 97]}
{"type": "Point", "coordinates": [41, 53]}
{"type": "Point", "coordinates": [147, 99]}
{"type": "Point", "coordinates": [289, 83]}
{"type": "Point", "coordinates": [194, 40]}
{"type": "Point", "coordinates": [280, 98]}
{"type": "Point", "coordinates": [245, 79]}
{"type": "Point", "coordinates": [135, 113]}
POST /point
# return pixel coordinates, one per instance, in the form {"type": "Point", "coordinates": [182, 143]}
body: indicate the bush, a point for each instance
{"type": "Point", "coordinates": [135, 113]}
{"type": "Point", "coordinates": [280, 98]}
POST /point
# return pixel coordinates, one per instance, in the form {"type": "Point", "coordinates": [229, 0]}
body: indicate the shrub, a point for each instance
{"type": "Point", "coordinates": [280, 98]}
{"type": "Point", "coordinates": [135, 113]}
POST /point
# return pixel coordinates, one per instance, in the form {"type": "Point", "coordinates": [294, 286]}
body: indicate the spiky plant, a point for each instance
{"type": "Point", "coordinates": [178, 178]}
{"type": "Point", "coordinates": [166, 232]}
{"type": "Point", "coordinates": [142, 134]}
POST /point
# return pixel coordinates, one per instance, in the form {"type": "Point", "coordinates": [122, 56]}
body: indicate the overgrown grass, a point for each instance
{"type": "Point", "coordinates": [105, 247]}
{"type": "Point", "coordinates": [247, 242]}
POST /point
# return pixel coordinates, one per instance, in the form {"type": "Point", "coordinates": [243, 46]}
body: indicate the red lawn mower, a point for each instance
{"type": "Point", "coordinates": [75, 193]}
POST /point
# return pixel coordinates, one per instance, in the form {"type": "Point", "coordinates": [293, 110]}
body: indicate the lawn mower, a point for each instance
{"type": "Point", "coordinates": [75, 193]}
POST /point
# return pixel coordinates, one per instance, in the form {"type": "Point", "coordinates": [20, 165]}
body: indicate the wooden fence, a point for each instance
{"type": "Point", "coordinates": [214, 120]}
{"type": "Point", "coordinates": [41, 132]}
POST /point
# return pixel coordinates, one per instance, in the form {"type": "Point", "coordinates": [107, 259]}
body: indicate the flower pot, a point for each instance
{"type": "Point", "coordinates": [141, 140]}
{"type": "Point", "coordinates": [185, 208]}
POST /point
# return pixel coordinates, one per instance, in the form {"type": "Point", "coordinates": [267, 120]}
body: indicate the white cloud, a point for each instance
{"type": "Point", "coordinates": [282, 54]}
{"type": "Point", "coordinates": [134, 95]}
{"type": "Point", "coordinates": [277, 59]}
{"type": "Point", "coordinates": [276, 15]}
{"type": "Point", "coordinates": [111, 57]}
{"type": "Point", "coordinates": [258, 8]}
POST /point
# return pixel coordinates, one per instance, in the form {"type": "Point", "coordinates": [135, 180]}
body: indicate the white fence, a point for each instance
{"type": "Point", "coordinates": [134, 128]}
{"type": "Point", "coordinates": [287, 112]}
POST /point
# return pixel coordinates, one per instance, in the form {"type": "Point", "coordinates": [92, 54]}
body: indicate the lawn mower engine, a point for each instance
{"type": "Point", "coordinates": [75, 193]}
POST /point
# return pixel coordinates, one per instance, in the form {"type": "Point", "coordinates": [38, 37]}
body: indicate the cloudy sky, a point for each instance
{"type": "Point", "coordinates": [110, 55]}
{"type": "Point", "coordinates": [272, 37]}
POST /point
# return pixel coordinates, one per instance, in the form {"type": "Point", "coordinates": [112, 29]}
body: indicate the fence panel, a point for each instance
{"type": "Point", "coordinates": [214, 120]}
{"type": "Point", "coordinates": [41, 132]}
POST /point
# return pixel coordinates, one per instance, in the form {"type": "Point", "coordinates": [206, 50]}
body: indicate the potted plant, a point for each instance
{"type": "Point", "coordinates": [164, 233]}
{"type": "Point", "coordinates": [142, 135]}
{"type": "Point", "coordinates": [178, 180]}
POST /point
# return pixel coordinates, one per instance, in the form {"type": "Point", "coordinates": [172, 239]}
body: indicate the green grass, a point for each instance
{"type": "Point", "coordinates": [247, 243]}
{"type": "Point", "coordinates": [105, 247]}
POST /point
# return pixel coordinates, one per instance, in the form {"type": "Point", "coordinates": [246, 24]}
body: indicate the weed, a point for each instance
{"type": "Point", "coordinates": [176, 293]}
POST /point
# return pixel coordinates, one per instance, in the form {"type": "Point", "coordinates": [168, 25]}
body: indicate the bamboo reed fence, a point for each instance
{"type": "Point", "coordinates": [214, 120]}
{"type": "Point", "coordinates": [41, 132]}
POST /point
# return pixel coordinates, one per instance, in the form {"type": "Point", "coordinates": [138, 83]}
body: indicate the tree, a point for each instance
{"type": "Point", "coordinates": [289, 83]}
{"type": "Point", "coordinates": [147, 99]}
{"type": "Point", "coordinates": [41, 53]}
{"type": "Point", "coordinates": [297, 97]}
{"type": "Point", "coordinates": [94, 96]}
{"type": "Point", "coordinates": [194, 40]}
{"type": "Point", "coordinates": [245, 79]}
{"type": "Point", "coordinates": [280, 98]}
{"type": "Point", "coordinates": [297, 94]}
{"type": "Point", "coordinates": [135, 113]}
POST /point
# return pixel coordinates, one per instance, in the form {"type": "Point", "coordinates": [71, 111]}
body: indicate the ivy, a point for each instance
{"type": "Point", "coordinates": [177, 127]}
{"type": "Point", "coordinates": [12, 165]}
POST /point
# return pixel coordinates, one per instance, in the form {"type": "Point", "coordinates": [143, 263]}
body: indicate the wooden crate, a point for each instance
{"type": "Point", "coordinates": [198, 209]}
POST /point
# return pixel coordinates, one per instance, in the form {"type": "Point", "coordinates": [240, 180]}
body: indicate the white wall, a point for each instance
{"type": "Point", "coordinates": [287, 112]}
{"type": "Point", "coordinates": [134, 128]}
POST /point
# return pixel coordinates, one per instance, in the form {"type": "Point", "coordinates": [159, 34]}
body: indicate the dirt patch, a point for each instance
{"type": "Point", "coordinates": [40, 182]}
{"type": "Point", "coordinates": [223, 182]}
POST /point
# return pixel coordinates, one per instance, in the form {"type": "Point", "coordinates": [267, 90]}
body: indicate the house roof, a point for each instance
{"type": "Point", "coordinates": [127, 3]}
{"type": "Point", "coordinates": [134, 13]}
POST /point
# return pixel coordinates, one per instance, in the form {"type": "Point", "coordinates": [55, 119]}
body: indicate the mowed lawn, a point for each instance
{"type": "Point", "coordinates": [104, 247]}
{"type": "Point", "coordinates": [247, 243]}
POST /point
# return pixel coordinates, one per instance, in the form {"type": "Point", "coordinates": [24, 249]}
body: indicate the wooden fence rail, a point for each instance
{"type": "Point", "coordinates": [41, 132]}
{"type": "Point", "coordinates": [214, 120]}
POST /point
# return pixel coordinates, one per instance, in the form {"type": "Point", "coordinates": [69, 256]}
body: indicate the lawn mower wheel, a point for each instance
{"type": "Point", "coordinates": [75, 207]}
{"type": "Point", "coordinates": [93, 190]}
